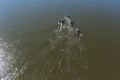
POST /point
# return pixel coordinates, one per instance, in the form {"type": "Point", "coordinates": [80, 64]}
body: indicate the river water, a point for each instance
{"type": "Point", "coordinates": [31, 49]}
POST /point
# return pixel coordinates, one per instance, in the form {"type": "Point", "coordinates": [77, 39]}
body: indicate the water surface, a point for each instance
{"type": "Point", "coordinates": [30, 50]}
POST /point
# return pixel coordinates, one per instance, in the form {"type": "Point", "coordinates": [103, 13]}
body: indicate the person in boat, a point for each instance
{"type": "Point", "coordinates": [62, 22]}
{"type": "Point", "coordinates": [78, 31]}
{"type": "Point", "coordinates": [72, 23]}
{"type": "Point", "coordinates": [61, 25]}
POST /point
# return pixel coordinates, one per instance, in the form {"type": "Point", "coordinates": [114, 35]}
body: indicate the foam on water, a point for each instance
{"type": "Point", "coordinates": [66, 58]}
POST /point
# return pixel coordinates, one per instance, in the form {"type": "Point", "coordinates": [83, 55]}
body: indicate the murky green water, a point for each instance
{"type": "Point", "coordinates": [30, 50]}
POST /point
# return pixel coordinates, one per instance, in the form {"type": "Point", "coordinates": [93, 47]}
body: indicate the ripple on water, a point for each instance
{"type": "Point", "coordinates": [7, 60]}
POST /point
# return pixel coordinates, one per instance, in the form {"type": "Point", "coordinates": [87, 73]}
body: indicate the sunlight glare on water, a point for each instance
{"type": "Point", "coordinates": [7, 61]}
